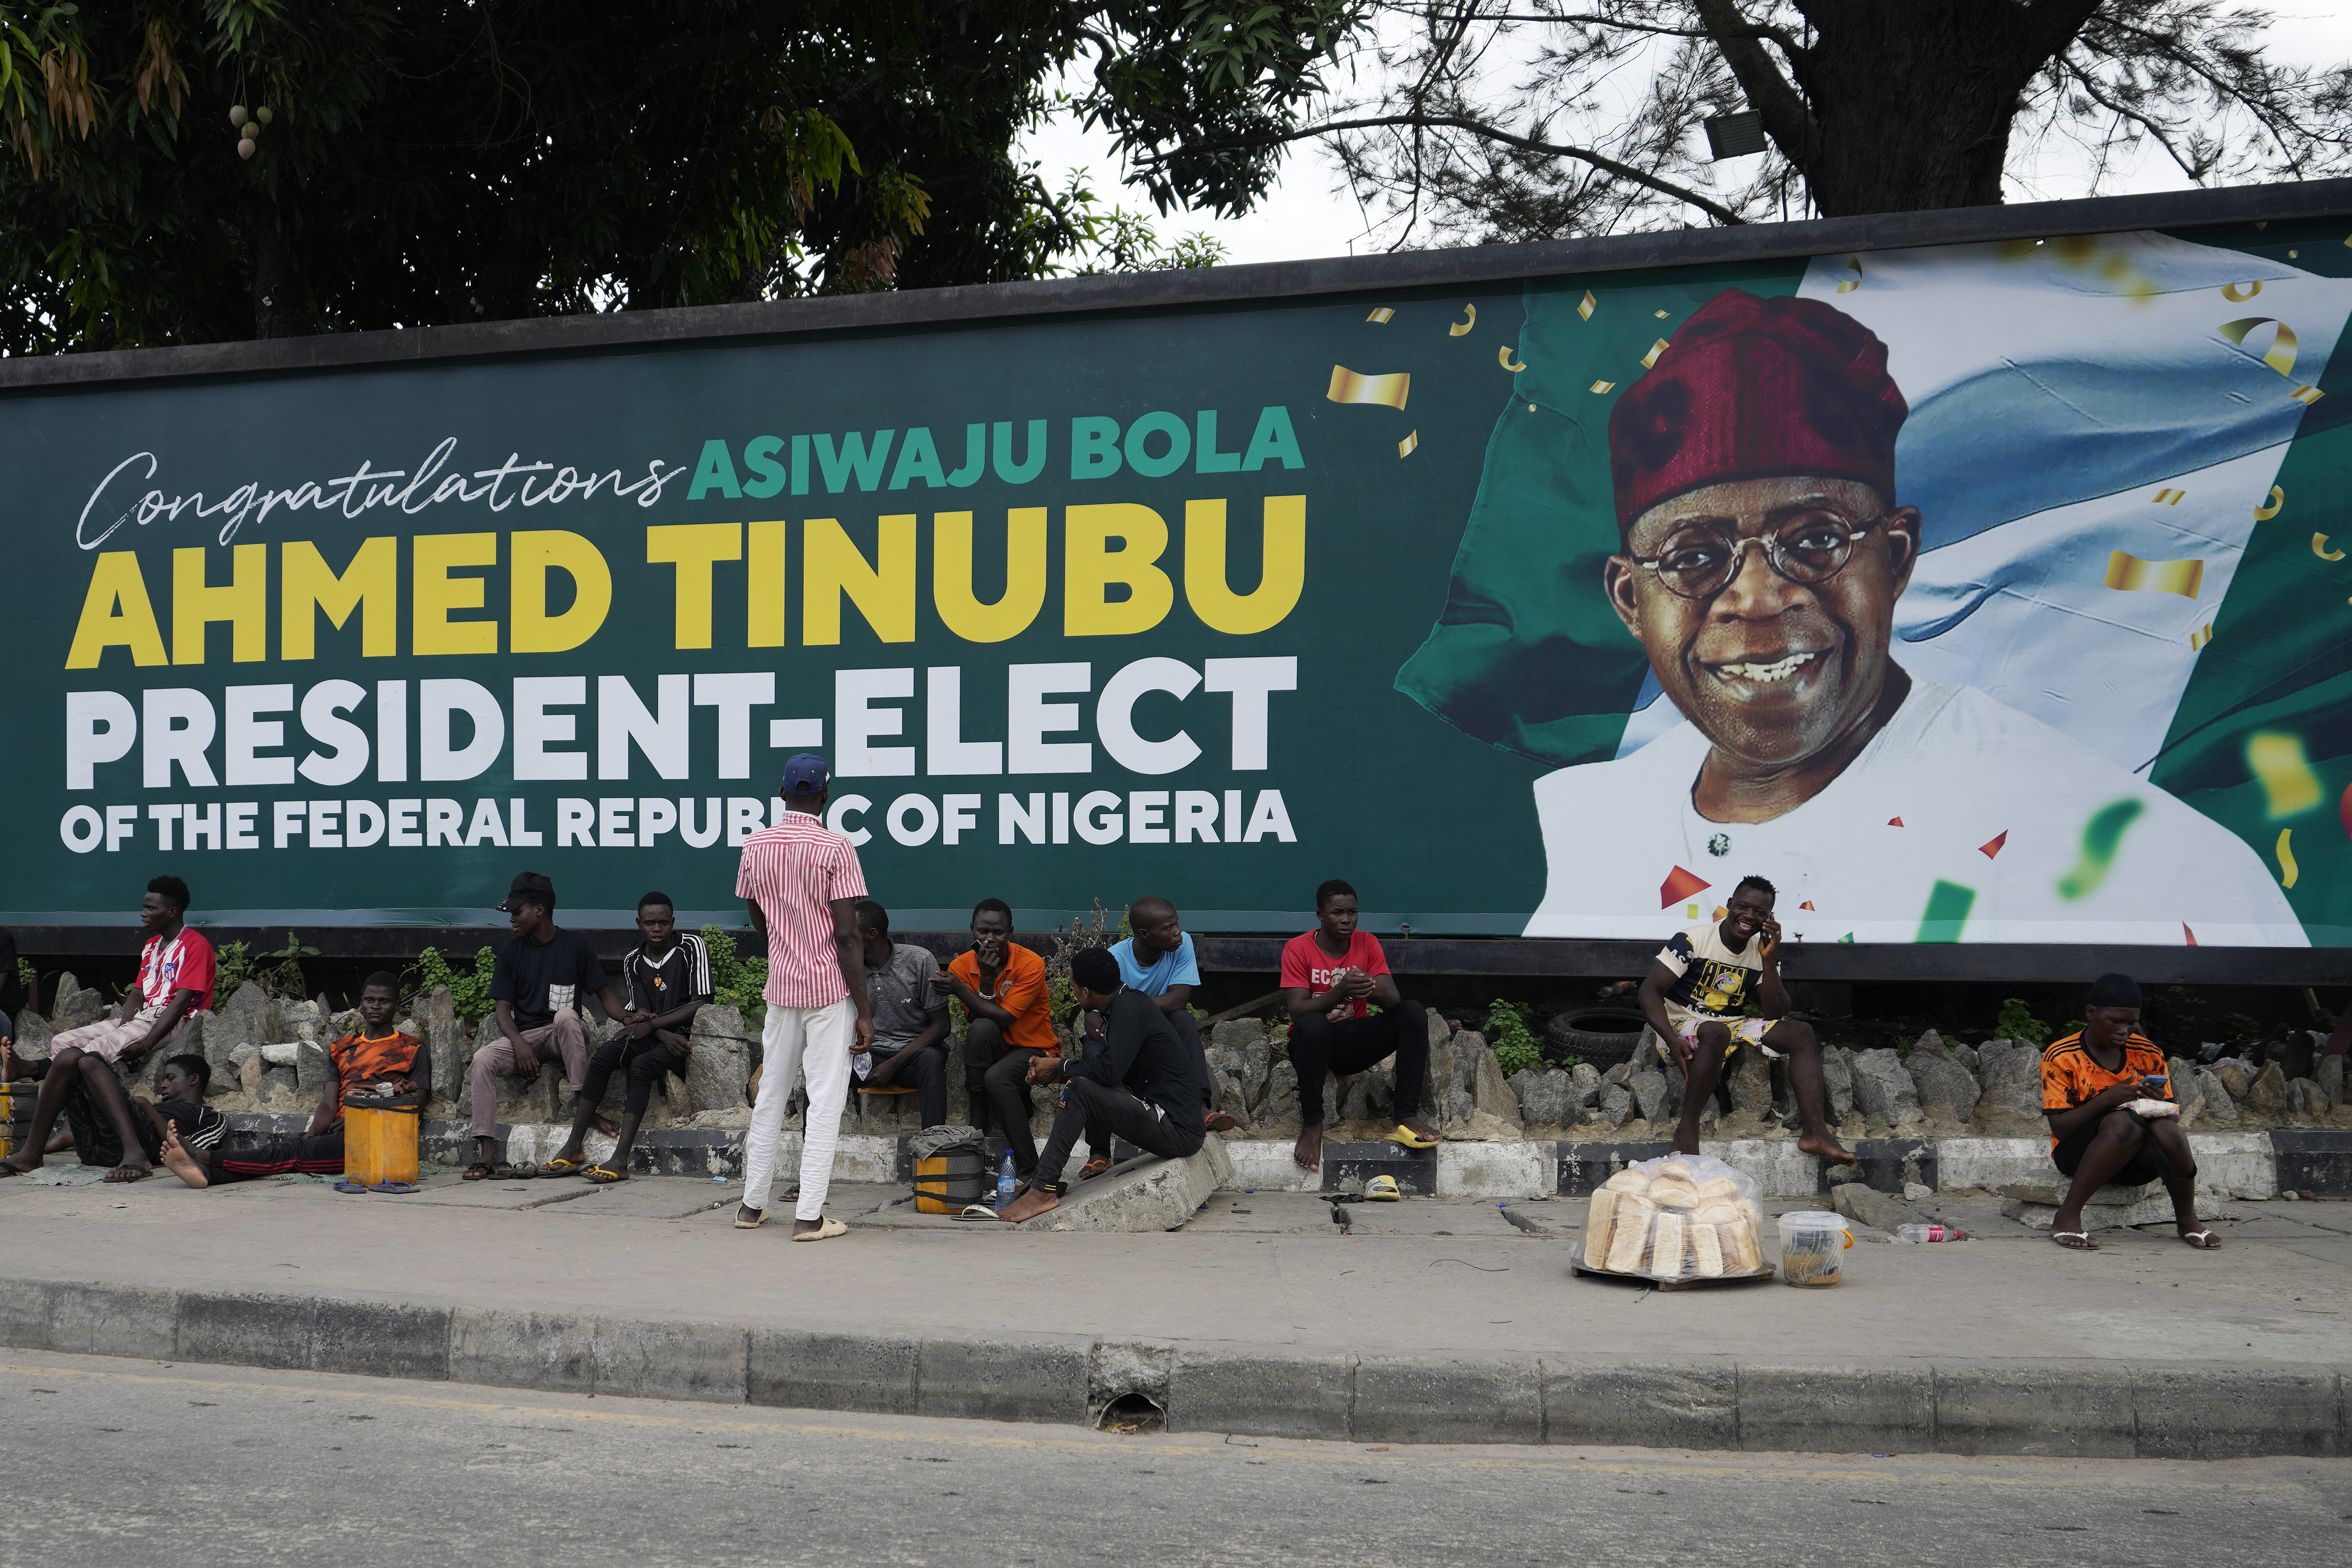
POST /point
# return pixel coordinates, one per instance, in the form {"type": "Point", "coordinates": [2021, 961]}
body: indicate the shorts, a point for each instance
{"type": "Point", "coordinates": [1744, 1032]}
{"type": "Point", "coordinates": [2069, 1152]}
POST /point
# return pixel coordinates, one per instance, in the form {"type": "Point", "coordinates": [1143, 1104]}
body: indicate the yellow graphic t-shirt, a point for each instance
{"type": "Point", "coordinates": [1715, 982]}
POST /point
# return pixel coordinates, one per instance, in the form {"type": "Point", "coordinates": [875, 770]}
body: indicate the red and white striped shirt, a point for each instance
{"type": "Point", "coordinates": [794, 871]}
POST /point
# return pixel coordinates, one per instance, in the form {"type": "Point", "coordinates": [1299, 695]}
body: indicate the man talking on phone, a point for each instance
{"type": "Point", "coordinates": [1695, 994]}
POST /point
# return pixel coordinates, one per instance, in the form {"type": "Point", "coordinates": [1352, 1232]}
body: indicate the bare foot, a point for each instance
{"type": "Point", "coordinates": [14, 1166]}
{"type": "Point", "coordinates": [606, 1125]}
{"type": "Point", "coordinates": [1029, 1205]}
{"type": "Point", "coordinates": [1821, 1145]}
{"type": "Point", "coordinates": [179, 1163]}
{"type": "Point", "coordinates": [1308, 1150]}
{"type": "Point", "coordinates": [7, 1061]}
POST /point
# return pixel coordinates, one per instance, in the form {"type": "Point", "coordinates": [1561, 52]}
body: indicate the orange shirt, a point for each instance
{"type": "Point", "coordinates": [358, 1059]}
{"type": "Point", "coordinates": [2070, 1077]}
{"type": "Point", "coordinates": [1019, 991]}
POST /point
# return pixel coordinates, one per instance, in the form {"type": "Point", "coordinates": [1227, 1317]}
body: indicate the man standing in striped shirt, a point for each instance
{"type": "Point", "coordinates": [802, 882]}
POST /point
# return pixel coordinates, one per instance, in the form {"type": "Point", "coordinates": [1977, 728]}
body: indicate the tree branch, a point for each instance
{"type": "Point", "coordinates": [1493, 133]}
{"type": "Point", "coordinates": [2082, 78]}
{"type": "Point", "coordinates": [1786, 118]}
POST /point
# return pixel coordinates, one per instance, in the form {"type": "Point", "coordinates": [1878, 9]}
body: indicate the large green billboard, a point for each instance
{"type": "Point", "coordinates": [1982, 592]}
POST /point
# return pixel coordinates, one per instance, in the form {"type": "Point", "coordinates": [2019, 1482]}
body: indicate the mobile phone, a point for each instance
{"type": "Point", "coordinates": [2153, 1081]}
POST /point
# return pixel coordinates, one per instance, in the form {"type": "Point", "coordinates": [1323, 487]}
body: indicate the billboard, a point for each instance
{"type": "Point", "coordinates": [1984, 592]}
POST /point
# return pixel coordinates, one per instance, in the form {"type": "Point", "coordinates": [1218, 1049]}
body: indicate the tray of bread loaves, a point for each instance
{"type": "Point", "coordinates": [1682, 1220]}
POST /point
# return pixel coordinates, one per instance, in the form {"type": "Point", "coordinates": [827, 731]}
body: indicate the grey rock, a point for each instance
{"type": "Point", "coordinates": [75, 1005]}
{"type": "Point", "coordinates": [1616, 1105]}
{"type": "Point", "coordinates": [2233, 1077]}
{"type": "Point", "coordinates": [1366, 1095]}
{"type": "Point", "coordinates": [1257, 1061]}
{"type": "Point", "coordinates": [2304, 1098]}
{"type": "Point", "coordinates": [300, 1020]}
{"type": "Point", "coordinates": [1237, 1034]}
{"type": "Point", "coordinates": [1837, 1082]}
{"type": "Point", "coordinates": [1490, 1091]}
{"type": "Point", "coordinates": [1583, 1085]}
{"type": "Point", "coordinates": [2011, 1073]}
{"type": "Point", "coordinates": [2329, 1075]}
{"type": "Point", "coordinates": [311, 1071]}
{"type": "Point", "coordinates": [280, 1089]}
{"type": "Point", "coordinates": [1933, 1040]}
{"type": "Point", "coordinates": [33, 1034]}
{"type": "Point", "coordinates": [1966, 1056]}
{"type": "Point", "coordinates": [1437, 1079]}
{"type": "Point", "coordinates": [1939, 1082]}
{"type": "Point", "coordinates": [248, 1018]}
{"type": "Point", "coordinates": [719, 1068]}
{"type": "Point", "coordinates": [1545, 1098]}
{"type": "Point", "coordinates": [1884, 1089]}
{"type": "Point", "coordinates": [1225, 1094]}
{"type": "Point", "coordinates": [443, 1035]}
{"type": "Point", "coordinates": [1750, 1073]}
{"type": "Point", "coordinates": [2187, 1091]}
{"type": "Point", "coordinates": [1281, 1095]}
{"type": "Point", "coordinates": [1615, 1077]}
{"type": "Point", "coordinates": [2214, 1104]}
{"type": "Point", "coordinates": [1649, 1090]}
{"type": "Point", "coordinates": [2266, 1096]}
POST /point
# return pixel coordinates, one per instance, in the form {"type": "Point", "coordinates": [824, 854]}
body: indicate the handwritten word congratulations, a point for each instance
{"type": "Point", "coordinates": [356, 492]}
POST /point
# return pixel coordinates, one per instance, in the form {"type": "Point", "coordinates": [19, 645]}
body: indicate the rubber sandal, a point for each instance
{"type": "Point", "coordinates": [396, 1188]}
{"type": "Point", "coordinates": [2082, 1241]}
{"type": "Point", "coordinates": [562, 1167]}
{"type": "Point", "coordinates": [604, 1176]}
{"type": "Point", "coordinates": [2203, 1240]}
{"type": "Point", "coordinates": [759, 1217]}
{"type": "Point", "coordinates": [10, 1168]}
{"type": "Point", "coordinates": [124, 1175]}
{"type": "Point", "coordinates": [479, 1171]}
{"type": "Point", "coordinates": [1407, 1138]}
{"type": "Point", "coordinates": [1218, 1121]}
{"type": "Point", "coordinates": [1093, 1168]}
{"type": "Point", "coordinates": [825, 1231]}
{"type": "Point", "coordinates": [526, 1172]}
{"type": "Point", "coordinates": [350, 1186]}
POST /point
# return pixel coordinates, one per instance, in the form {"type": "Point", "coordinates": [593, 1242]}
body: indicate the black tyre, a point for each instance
{"type": "Point", "coordinates": [1601, 1037]}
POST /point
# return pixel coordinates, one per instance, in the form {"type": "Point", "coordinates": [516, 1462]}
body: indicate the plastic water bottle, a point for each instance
{"type": "Point", "coordinates": [1928, 1233]}
{"type": "Point", "coordinates": [1004, 1182]}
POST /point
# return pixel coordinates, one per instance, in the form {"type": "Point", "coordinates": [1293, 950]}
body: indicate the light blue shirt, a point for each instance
{"type": "Point", "coordinates": [1168, 969]}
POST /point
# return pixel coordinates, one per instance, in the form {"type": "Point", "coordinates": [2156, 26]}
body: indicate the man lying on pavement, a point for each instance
{"type": "Point", "coordinates": [1136, 1080]}
{"type": "Point", "coordinates": [178, 1113]}
{"type": "Point", "coordinates": [375, 1061]}
{"type": "Point", "coordinates": [2113, 1117]}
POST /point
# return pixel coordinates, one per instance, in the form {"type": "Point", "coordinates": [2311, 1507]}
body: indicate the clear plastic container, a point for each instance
{"type": "Point", "coordinates": [1813, 1248]}
{"type": "Point", "coordinates": [1930, 1233]}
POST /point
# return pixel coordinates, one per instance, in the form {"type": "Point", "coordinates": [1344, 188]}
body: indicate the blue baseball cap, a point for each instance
{"type": "Point", "coordinates": [806, 775]}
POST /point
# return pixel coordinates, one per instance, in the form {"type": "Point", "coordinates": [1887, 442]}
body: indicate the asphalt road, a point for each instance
{"type": "Point", "coordinates": [131, 1463]}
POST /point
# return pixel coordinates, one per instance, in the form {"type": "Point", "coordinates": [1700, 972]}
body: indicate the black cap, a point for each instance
{"type": "Point", "coordinates": [531, 887]}
{"type": "Point", "coordinates": [2114, 991]}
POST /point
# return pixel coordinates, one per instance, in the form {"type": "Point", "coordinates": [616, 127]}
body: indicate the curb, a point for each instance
{"type": "Point", "coordinates": [2065, 1409]}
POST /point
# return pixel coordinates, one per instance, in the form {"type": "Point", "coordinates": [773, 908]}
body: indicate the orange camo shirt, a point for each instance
{"type": "Point", "coordinates": [2070, 1076]}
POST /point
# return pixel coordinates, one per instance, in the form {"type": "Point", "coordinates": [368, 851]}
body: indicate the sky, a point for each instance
{"type": "Point", "coordinates": [1311, 213]}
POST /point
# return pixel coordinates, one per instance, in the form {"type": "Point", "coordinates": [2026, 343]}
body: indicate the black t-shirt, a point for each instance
{"type": "Point", "coordinates": [1139, 1048]}
{"type": "Point", "coordinates": [12, 989]}
{"type": "Point", "coordinates": [541, 979]}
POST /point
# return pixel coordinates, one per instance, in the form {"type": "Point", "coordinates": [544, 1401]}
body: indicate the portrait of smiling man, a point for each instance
{"type": "Point", "coordinates": [1762, 547]}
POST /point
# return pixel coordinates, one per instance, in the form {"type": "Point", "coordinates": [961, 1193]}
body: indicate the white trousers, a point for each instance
{"type": "Point", "coordinates": [797, 1043]}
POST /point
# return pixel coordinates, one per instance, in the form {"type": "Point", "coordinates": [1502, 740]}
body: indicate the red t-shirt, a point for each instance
{"type": "Point", "coordinates": [1303, 963]}
{"type": "Point", "coordinates": [182, 963]}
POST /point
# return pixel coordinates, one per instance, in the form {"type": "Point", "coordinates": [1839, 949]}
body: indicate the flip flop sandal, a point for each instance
{"type": "Point", "coordinates": [2203, 1240]}
{"type": "Point", "coordinates": [759, 1217]}
{"type": "Point", "coordinates": [1093, 1168]}
{"type": "Point", "coordinates": [1406, 1137]}
{"type": "Point", "coordinates": [10, 1168]}
{"type": "Point", "coordinates": [562, 1167]}
{"type": "Point", "coordinates": [604, 1176]}
{"type": "Point", "coordinates": [350, 1186]}
{"type": "Point", "coordinates": [394, 1187]}
{"type": "Point", "coordinates": [1218, 1121]}
{"type": "Point", "coordinates": [480, 1172]}
{"type": "Point", "coordinates": [2080, 1241]}
{"type": "Point", "coordinates": [124, 1175]}
{"type": "Point", "coordinates": [825, 1231]}
{"type": "Point", "coordinates": [522, 1173]}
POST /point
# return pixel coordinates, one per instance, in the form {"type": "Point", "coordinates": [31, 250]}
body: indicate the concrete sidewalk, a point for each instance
{"type": "Point", "coordinates": [1430, 1321]}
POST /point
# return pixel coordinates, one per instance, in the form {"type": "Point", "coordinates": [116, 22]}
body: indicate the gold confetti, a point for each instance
{"type": "Point", "coordinates": [2319, 548]}
{"type": "Point", "coordinates": [1585, 308]}
{"type": "Point", "coordinates": [1847, 286]}
{"type": "Point", "coordinates": [1405, 446]}
{"type": "Point", "coordinates": [2239, 293]}
{"type": "Point", "coordinates": [2169, 498]}
{"type": "Point", "coordinates": [2281, 356]}
{"type": "Point", "coordinates": [2276, 758]}
{"type": "Point", "coordinates": [1384, 315]}
{"type": "Point", "coordinates": [1502, 357]}
{"type": "Point", "coordinates": [1650, 359]}
{"type": "Point", "coordinates": [1350, 386]}
{"type": "Point", "coordinates": [1464, 325]}
{"type": "Point", "coordinates": [1604, 386]}
{"type": "Point", "coordinates": [2287, 872]}
{"type": "Point", "coordinates": [2200, 637]}
{"type": "Point", "coordinates": [1661, 315]}
{"type": "Point", "coordinates": [2307, 396]}
{"type": "Point", "coordinates": [2129, 572]}
{"type": "Point", "coordinates": [2277, 504]}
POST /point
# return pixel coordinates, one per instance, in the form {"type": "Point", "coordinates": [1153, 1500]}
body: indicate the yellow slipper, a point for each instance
{"type": "Point", "coordinates": [1382, 1189]}
{"type": "Point", "coordinates": [824, 1231]}
{"type": "Point", "coordinates": [1410, 1138]}
{"type": "Point", "coordinates": [561, 1168]}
